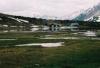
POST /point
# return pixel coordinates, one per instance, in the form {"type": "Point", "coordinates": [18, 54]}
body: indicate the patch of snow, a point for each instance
{"type": "Point", "coordinates": [45, 28]}
{"type": "Point", "coordinates": [24, 21]}
{"type": "Point", "coordinates": [16, 19]}
{"type": "Point", "coordinates": [5, 25]}
{"type": "Point", "coordinates": [43, 44]}
{"type": "Point", "coordinates": [61, 38]}
{"type": "Point", "coordinates": [13, 31]}
{"type": "Point", "coordinates": [6, 39]}
{"type": "Point", "coordinates": [52, 44]}
{"type": "Point", "coordinates": [98, 20]}
{"type": "Point", "coordinates": [19, 20]}
{"type": "Point", "coordinates": [5, 31]}
{"type": "Point", "coordinates": [35, 26]}
{"type": "Point", "coordinates": [64, 27]}
{"type": "Point", "coordinates": [90, 33]}
{"type": "Point", "coordinates": [34, 29]}
{"type": "Point", "coordinates": [75, 33]}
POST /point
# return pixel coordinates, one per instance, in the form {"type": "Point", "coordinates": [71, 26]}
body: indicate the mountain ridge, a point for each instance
{"type": "Point", "coordinates": [89, 13]}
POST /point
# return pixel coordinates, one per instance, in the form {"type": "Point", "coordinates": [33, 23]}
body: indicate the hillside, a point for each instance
{"type": "Point", "coordinates": [20, 23]}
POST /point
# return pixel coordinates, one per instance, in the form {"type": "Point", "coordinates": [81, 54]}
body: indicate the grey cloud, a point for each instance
{"type": "Point", "coordinates": [44, 7]}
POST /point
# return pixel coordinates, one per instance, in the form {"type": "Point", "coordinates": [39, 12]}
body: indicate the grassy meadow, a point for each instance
{"type": "Point", "coordinates": [83, 53]}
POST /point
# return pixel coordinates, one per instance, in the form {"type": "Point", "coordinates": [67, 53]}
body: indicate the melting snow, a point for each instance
{"type": "Point", "coordinates": [7, 39]}
{"type": "Point", "coordinates": [43, 44]}
{"type": "Point", "coordinates": [19, 20]}
{"type": "Point", "coordinates": [61, 38]}
{"type": "Point", "coordinates": [90, 33]}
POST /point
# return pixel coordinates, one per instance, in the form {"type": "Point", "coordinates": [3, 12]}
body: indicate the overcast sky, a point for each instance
{"type": "Point", "coordinates": [58, 8]}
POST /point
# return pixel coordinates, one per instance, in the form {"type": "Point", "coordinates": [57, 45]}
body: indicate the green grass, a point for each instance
{"type": "Point", "coordinates": [75, 54]}
{"type": "Point", "coordinates": [35, 34]}
{"type": "Point", "coordinates": [83, 53]}
{"type": "Point", "coordinates": [27, 41]}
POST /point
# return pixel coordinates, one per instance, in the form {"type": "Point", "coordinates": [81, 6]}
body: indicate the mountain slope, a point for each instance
{"type": "Point", "coordinates": [11, 20]}
{"type": "Point", "coordinates": [89, 13]}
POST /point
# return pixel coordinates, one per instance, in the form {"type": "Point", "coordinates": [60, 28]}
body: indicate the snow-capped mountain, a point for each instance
{"type": "Point", "coordinates": [89, 14]}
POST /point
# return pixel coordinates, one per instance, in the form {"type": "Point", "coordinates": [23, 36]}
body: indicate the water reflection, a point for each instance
{"type": "Point", "coordinates": [23, 28]}
{"type": "Point", "coordinates": [36, 28]}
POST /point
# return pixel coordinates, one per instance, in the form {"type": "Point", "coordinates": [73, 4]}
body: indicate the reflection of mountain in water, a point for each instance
{"type": "Point", "coordinates": [89, 13]}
